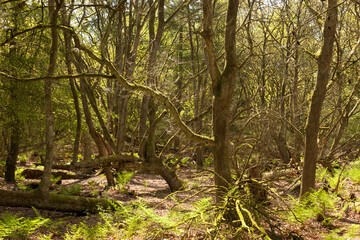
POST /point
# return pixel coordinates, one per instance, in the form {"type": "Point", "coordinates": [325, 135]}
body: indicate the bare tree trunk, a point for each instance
{"type": "Point", "coordinates": [11, 159]}
{"type": "Point", "coordinates": [124, 98]}
{"type": "Point", "coordinates": [142, 123]}
{"type": "Point", "coordinates": [318, 97]}
{"type": "Point", "coordinates": [156, 163]}
{"type": "Point", "coordinates": [222, 89]}
{"type": "Point", "coordinates": [86, 146]}
{"type": "Point", "coordinates": [10, 166]}
{"type": "Point", "coordinates": [199, 151]}
{"type": "Point", "coordinates": [67, 39]}
{"type": "Point", "coordinates": [100, 143]}
{"type": "Point", "coordinates": [49, 115]}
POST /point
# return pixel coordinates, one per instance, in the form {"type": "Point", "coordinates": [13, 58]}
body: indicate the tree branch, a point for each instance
{"type": "Point", "coordinates": [147, 90]}
{"type": "Point", "coordinates": [56, 77]}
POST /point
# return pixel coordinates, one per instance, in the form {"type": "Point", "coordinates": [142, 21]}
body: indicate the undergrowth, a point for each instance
{"type": "Point", "coordinates": [234, 217]}
{"type": "Point", "coordinates": [19, 227]}
{"type": "Point", "coordinates": [239, 215]}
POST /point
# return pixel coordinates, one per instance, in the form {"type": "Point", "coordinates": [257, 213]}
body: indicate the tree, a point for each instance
{"type": "Point", "coordinates": [318, 97]}
{"type": "Point", "coordinates": [222, 88]}
{"type": "Point", "coordinates": [43, 189]}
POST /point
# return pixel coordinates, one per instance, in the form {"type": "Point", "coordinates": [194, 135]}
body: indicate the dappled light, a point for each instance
{"type": "Point", "coordinates": [154, 119]}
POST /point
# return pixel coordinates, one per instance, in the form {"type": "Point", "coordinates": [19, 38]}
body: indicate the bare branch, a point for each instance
{"type": "Point", "coordinates": [147, 90]}
{"type": "Point", "coordinates": [56, 77]}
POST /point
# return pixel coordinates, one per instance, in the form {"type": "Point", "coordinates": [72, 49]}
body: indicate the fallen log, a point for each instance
{"type": "Point", "coordinates": [67, 167]}
{"type": "Point", "coordinates": [56, 202]}
{"type": "Point", "coordinates": [119, 160]}
{"type": "Point", "coordinates": [37, 174]}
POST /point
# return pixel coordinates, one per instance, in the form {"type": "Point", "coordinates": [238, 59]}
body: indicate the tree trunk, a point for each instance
{"type": "Point", "coordinates": [56, 202]}
{"type": "Point", "coordinates": [87, 151]}
{"type": "Point", "coordinates": [318, 97]}
{"type": "Point", "coordinates": [199, 151]}
{"type": "Point", "coordinates": [67, 39]}
{"type": "Point", "coordinates": [11, 159]}
{"type": "Point", "coordinates": [15, 124]}
{"type": "Point", "coordinates": [155, 163]}
{"type": "Point", "coordinates": [295, 111]}
{"type": "Point", "coordinates": [124, 98]}
{"type": "Point", "coordinates": [100, 143]}
{"type": "Point", "coordinates": [49, 115]}
{"type": "Point", "coordinates": [15, 139]}
{"type": "Point", "coordinates": [222, 89]}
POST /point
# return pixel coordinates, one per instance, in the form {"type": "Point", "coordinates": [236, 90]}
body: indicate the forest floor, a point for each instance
{"type": "Point", "coordinates": [152, 190]}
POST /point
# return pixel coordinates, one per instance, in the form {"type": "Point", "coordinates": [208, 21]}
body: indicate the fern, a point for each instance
{"type": "Point", "coordinates": [313, 204]}
{"type": "Point", "coordinates": [352, 232]}
{"type": "Point", "coordinates": [19, 227]}
{"type": "Point", "coordinates": [122, 179]}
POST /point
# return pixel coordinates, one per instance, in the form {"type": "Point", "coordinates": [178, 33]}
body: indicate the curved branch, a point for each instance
{"type": "Point", "coordinates": [2, 74]}
{"type": "Point", "coordinates": [147, 90]}
{"type": "Point", "coordinates": [40, 26]}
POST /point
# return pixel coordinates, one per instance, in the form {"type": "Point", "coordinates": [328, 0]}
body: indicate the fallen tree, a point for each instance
{"type": "Point", "coordinates": [126, 161]}
{"type": "Point", "coordinates": [122, 160]}
{"type": "Point", "coordinates": [37, 174]}
{"type": "Point", "coordinates": [56, 202]}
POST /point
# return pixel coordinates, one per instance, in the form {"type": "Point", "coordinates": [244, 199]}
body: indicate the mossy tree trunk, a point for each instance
{"type": "Point", "coordinates": [55, 202]}
{"type": "Point", "coordinates": [154, 162]}
{"type": "Point", "coordinates": [11, 159]}
{"type": "Point", "coordinates": [68, 60]}
{"type": "Point", "coordinates": [222, 90]}
{"type": "Point", "coordinates": [49, 115]}
{"type": "Point", "coordinates": [147, 149]}
{"type": "Point", "coordinates": [317, 100]}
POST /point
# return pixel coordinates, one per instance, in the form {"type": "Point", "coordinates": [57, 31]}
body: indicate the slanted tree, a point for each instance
{"type": "Point", "coordinates": [318, 97]}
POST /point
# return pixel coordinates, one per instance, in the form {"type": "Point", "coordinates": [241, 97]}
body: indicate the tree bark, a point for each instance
{"type": "Point", "coordinates": [154, 162]}
{"type": "Point", "coordinates": [99, 141]}
{"type": "Point", "coordinates": [199, 150]}
{"type": "Point", "coordinates": [67, 39]}
{"type": "Point", "coordinates": [124, 98]}
{"type": "Point", "coordinates": [11, 159]}
{"type": "Point", "coordinates": [295, 113]}
{"type": "Point", "coordinates": [222, 90]}
{"type": "Point", "coordinates": [10, 166]}
{"type": "Point", "coordinates": [318, 97]}
{"type": "Point", "coordinates": [55, 202]}
{"type": "Point", "coordinates": [37, 174]}
{"type": "Point", "coordinates": [148, 108]}
{"type": "Point", "coordinates": [49, 115]}
{"type": "Point", "coordinates": [15, 124]}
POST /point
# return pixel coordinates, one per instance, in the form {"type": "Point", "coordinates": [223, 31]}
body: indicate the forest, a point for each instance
{"type": "Point", "coordinates": [195, 119]}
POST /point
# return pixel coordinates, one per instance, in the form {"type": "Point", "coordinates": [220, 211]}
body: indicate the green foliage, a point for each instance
{"type": "Point", "coordinates": [22, 158]}
{"type": "Point", "coordinates": [351, 232]}
{"type": "Point", "coordinates": [141, 220]}
{"type": "Point", "coordinates": [314, 204]}
{"type": "Point", "coordinates": [55, 179]}
{"type": "Point", "coordinates": [352, 172]}
{"type": "Point", "coordinates": [20, 227]}
{"type": "Point", "coordinates": [84, 231]}
{"type": "Point", "coordinates": [237, 216]}
{"type": "Point", "coordinates": [73, 189]}
{"type": "Point", "coordinates": [18, 172]}
{"type": "Point", "coordinates": [2, 168]}
{"type": "Point", "coordinates": [135, 219]}
{"type": "Point", "coordinates": [208, 162]}
{"type": "Point", "coordinates": [122, 179]}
